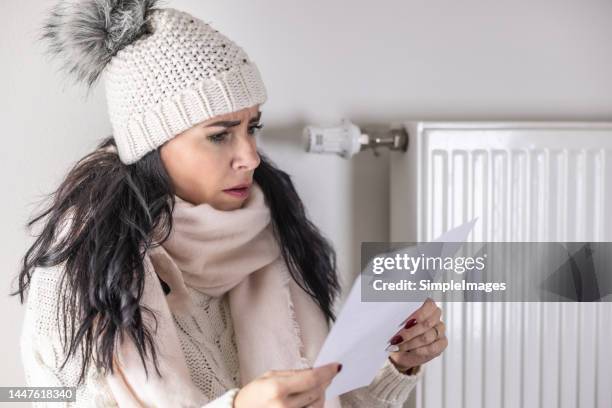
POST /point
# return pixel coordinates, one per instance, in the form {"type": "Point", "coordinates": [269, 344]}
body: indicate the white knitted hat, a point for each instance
{"type": "Point", "coordinates": [164, 70]}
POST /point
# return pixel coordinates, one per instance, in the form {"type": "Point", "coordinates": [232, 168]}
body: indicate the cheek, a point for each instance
{"type": "Point", "coordinates": [197, 172]}
{"type": "Point", "coordinates": [206, 171]}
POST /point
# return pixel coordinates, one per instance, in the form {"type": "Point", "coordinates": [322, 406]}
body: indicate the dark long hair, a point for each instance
{"type": "Point", "coordinates": [103, 218]}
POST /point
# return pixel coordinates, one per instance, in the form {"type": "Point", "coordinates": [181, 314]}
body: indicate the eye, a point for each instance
{"type": "Point", "coordinates": [220, 137]}
{"type": "Point", "coordinates": [255, 128]}
{"type": "Point", "coordinates": [217, 138]}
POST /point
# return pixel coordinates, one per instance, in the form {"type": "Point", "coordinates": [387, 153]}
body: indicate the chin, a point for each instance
{"type": "Point", "coordinates": [229, 203]}
{"type": "Point", "coordinates": [225, 206]}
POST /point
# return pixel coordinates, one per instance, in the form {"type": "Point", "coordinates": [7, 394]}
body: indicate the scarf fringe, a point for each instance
{"type": "Point", "coordinates": [295, 327]}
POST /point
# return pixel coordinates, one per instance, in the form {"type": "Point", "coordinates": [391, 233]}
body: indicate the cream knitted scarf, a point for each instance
{"type": "Point", "coordinates": [277, 325]}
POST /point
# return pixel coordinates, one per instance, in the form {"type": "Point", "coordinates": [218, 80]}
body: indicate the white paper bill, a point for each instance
{"type": "Point", "coordinates": [362, 331]}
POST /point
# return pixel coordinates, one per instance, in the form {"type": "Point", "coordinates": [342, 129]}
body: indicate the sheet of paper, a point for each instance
{"type": "Point", "coordinates": [362, 330]}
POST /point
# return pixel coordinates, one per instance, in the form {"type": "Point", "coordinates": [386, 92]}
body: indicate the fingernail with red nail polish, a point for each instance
{"type": "Point", "coordinates": [410, 323]}
{"type": "Point", "coordinates": [396, 339]}
{"type": "Point", "coordinates": [339, 367]}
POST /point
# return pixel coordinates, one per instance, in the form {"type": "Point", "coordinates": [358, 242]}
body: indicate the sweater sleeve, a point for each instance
{"type": "Point", "coordinates": [41, 349]}
{"type": "Point", "coordinates": [389, 389]}
{"type": "Point", "coordinates": [42, 355]}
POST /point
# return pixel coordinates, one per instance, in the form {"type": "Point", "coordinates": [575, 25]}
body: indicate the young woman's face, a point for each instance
{"type": "Point", "coordinates": [206, 161]}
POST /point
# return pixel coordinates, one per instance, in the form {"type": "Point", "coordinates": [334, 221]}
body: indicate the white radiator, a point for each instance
{"type": "Point", "coordinates": [526, 181]}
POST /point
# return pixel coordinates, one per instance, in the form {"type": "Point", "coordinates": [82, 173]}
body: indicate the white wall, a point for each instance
{"type": "Point", "coordinates": [372, 62]}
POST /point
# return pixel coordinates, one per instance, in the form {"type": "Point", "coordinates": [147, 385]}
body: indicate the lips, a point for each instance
{"type": "Point", "coordinates": [239, 186]}
{"type": "Point", "coordinates": [240, 190]}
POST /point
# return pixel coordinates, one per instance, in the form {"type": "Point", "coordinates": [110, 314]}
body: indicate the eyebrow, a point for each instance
{"type": "Point", "coordinates": [231, 123]}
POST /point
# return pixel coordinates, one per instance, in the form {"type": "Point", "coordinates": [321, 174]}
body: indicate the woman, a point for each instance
{"type": "Point", "coordinates": [176, 266]}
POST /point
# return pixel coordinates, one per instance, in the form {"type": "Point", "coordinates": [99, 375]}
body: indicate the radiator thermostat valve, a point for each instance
{"type": "Point", "coordinates": [347, 139]}
{"type": "Point", "coordinates": [344, 140]}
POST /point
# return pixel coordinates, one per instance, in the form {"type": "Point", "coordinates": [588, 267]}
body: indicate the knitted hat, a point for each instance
{"type": "Point", "coordinates": [164, 70]}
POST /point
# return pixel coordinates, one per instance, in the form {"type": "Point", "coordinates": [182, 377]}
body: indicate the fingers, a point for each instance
{"type": "Point", "coordinates": [305, 399]}
{"type": "Point", "coordinates": [422, 312]}
{"type": "Point", "coordinates": [312, 398]}
{"type": "Point", "coordinates": [425, 338]}
{"type": "Point", "coordinates": [431, 350]}
{"type": "Point", "coordinates": [422, 338]}
{"type": "Point", "coordinates": [421, 327]}
{"type": "Point", "coordinates": [300, 380]}
{"type": "Point", "coordinates": [426, 323]}
{"type": "Point", "coordinates": [420, 355]}
{"type": "Point", "coordinates": [318, 403]}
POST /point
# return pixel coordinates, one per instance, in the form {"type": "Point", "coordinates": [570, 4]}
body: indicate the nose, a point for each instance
{"type": "Point", "coordinates": [245, 155]}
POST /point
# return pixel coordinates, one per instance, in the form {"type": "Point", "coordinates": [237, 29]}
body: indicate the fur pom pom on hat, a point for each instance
{"type": "Point", "coordinates": [164, 70]}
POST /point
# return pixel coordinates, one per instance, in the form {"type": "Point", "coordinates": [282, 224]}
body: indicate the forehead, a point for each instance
{"type": "Point", "coordinates": [246, 113]}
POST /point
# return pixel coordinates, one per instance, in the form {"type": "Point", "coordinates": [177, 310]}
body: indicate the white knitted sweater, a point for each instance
{"type": "Point", "coordinates": [207, 340]}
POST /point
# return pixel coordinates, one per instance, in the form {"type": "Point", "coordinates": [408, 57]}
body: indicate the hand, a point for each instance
{"type": "Point", "coordinates": [288, 389]}
{"type": "Point", "coordinates": [422, 338]}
